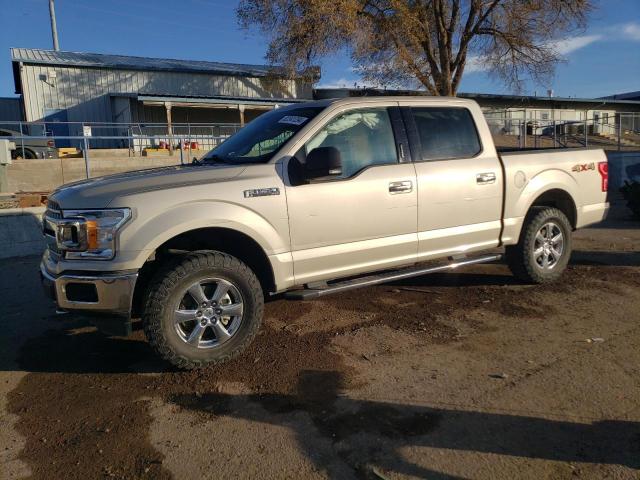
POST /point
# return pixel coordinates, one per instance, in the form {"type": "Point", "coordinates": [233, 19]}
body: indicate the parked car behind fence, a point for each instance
{"type": "Point", "coordinates": [28, 147]}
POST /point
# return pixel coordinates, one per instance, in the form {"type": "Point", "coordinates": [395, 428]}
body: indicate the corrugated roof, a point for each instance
{"type": "Point", "coordinates": [100, 60]}
{"type": "Point", "coordinates": [516, 99]}
{"type": "Point", "coordinates": [532, 99]}
{"type": "Point", "coordinates": [624, 96]}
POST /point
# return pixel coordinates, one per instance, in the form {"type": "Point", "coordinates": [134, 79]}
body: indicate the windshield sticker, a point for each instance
{"type": "Point", "coordinates": [293, 120]}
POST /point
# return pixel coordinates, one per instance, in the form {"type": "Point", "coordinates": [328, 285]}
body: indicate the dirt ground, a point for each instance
{"type": "Point", "coordinates": [450, 376]}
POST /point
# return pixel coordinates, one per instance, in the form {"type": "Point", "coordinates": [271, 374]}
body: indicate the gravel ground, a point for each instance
{"type": "Point", "coordinates": [458, 375]}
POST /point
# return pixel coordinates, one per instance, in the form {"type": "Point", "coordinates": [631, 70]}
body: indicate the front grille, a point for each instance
{"type": "Point", "coordinates": [52, 214]}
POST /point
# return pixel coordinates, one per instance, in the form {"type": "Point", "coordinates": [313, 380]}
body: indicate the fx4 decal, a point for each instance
{"type": "Point", "coordinates": [583, 167]}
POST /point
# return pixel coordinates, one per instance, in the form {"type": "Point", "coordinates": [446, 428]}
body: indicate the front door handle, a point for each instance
{"type": "Point", "coordinates": [405, 186]}
{"type": "Point", "coordinates": [485, 178]}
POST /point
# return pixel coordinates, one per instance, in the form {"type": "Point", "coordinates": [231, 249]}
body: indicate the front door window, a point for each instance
{"type": "Point", "coordinates": [364, 138]}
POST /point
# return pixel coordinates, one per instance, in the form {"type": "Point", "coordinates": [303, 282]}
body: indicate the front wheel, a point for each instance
{"type": "Point", "coordinates": [204, 309]}
{"type": "Point", "coordinates": [543, 252]}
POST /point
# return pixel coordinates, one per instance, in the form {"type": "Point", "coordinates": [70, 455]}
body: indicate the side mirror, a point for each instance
{"type": "Point", "coordinates": [323, 162]}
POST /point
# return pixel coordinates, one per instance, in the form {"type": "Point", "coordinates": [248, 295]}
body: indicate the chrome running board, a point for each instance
{"type": "Point", "coordinates": [309, 293]}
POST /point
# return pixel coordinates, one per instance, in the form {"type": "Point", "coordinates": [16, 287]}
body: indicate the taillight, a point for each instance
{"type": "Point", "coordinates": [51, 143]}
{"type": "Point", "coordinates": [603, 168]}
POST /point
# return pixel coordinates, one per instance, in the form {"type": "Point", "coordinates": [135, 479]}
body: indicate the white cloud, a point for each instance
{"type": "Point", "coordinates": [475, 64]}
{"type": "Point", "coordinates": [339, 83]}
{"type": "Point", "coordinates": [566, 46]}
{"type": "Point", "coordinates": [631, 31]}
{"type": "Point", "coordinates": [562, 46]}
{"type": "Point", "coordinates": [348, 83]}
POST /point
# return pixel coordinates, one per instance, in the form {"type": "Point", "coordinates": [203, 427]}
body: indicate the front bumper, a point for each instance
{"type": "Point", "coordinates": [107, 293]}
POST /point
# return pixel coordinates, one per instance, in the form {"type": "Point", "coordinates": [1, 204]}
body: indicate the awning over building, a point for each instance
{"type": "Point", "coordinates": [218, 101]}
{"type": "Point", "coordinates": [143, 108]}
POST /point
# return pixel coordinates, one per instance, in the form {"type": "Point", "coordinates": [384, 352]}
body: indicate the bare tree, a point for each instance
{"type": "Point", "coordinates": [428, 42]}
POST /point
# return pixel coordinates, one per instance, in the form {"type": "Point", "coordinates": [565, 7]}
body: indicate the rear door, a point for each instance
{"type": "Point", "coordinates": [460, 181]}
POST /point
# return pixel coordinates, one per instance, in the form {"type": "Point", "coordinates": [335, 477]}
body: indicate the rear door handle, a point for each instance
{"type": "Point", "coordinates": [405, 186]}
{"type": "Point", "coordinates": [485, 178]}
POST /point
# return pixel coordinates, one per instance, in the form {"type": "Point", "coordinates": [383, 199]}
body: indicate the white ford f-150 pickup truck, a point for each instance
{"type": "Point", "coordinates": [307, 200]}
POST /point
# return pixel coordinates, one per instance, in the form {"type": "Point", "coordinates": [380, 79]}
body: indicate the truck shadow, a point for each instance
{"type": "Point", "coordinates": [610, 258]}
{"type": "Point", "coordinates": [372, 433]}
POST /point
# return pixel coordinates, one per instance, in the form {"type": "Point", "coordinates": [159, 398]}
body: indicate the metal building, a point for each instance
{"type": "Point", "coordinates": [10, 109]}
{"type": "Point", "coordinates": [58, 87]}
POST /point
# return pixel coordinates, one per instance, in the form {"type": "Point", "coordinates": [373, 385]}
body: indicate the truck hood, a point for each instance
{"type": "Point", "coordinates": [99, 192]}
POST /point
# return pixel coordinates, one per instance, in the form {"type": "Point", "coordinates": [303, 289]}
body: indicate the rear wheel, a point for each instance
{"type": "Point", "coordinates": [544, 248]}
{"type": "Point", "coordinates": [205, 309]}
{"type": "Point", "coordinates": [19, 154]}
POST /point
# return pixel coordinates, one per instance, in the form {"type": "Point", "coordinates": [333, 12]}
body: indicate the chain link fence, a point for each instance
{"type": "Point", "coordinates": [181, 142]}
{"type": "Point", "coordinates": [136, 138]}
{"type": "Point", "coordinates": [619, 132]}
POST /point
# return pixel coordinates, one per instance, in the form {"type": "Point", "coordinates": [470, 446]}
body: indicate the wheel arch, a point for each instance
{"type": "Point", "coordinates": [223, 239]}
{"type": "Point", "coordinates": [560, 199]}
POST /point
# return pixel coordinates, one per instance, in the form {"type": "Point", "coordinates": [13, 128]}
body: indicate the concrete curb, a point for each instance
{"type": "Point", "coordinates": [21, 232]}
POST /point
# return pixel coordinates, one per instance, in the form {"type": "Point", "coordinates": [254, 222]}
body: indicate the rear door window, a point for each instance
{"type": "Point", "coordinates": [446, 133]}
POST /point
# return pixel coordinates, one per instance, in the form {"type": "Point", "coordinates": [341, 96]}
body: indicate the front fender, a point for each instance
{"type": "Point", "coordinates": [145, 234]}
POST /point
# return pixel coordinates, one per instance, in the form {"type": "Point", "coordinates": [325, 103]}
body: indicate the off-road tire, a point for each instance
{"type": "Point", "coordinates": [520, 257]}
{"type": "Point", "coordinates": [163, 293]}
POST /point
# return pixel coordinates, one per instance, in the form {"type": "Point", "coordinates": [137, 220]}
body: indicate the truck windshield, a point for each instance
{"type": "Point", "coordinates": [261, 138]}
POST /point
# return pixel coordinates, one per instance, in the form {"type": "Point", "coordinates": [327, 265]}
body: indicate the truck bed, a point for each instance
{"type": "Point", "coordinates": [579, 172]}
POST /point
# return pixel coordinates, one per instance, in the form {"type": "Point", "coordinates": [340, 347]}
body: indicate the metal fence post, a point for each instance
{"type": "Point", "coordinates": [86, 157]}
{"type": "Point", "coordinates": [586, 133]}
{"type": "Point", "coordinates": [131, 147]}
{"type": "Point", "coordinates": [619, 132]}
{"type": "Point", "coordinates": [189, 139]}
{"type": "Point", "coordinates": [22, 140]}
{"type": "Point", "coordinates": [554, 136]}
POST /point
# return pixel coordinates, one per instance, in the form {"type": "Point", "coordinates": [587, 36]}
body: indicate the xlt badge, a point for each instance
{"type": "Point", "coordinates": [261, 192]}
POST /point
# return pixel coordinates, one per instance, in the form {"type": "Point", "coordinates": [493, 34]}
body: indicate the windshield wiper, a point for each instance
{"type": "Point", "coordinates": [210, 159]}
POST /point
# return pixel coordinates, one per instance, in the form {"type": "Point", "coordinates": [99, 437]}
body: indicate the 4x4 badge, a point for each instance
{"type": "Point", "coordinates": [261, 192]}
{"type": "Point", "coordinates": [583, 167]}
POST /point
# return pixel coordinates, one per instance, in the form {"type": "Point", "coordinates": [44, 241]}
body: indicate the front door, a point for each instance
{"type": "Point", "coordinates": [365, 219]}
{"type": "Point", "coordinates": [459, 182]}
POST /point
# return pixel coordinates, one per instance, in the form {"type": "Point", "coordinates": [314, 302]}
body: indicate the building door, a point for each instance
{"type": "Point", "coordinates": [55, 125]}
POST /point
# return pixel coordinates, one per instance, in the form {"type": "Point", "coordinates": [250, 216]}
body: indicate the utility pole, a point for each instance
{"type": "Point", "coordinates": [54, 28]}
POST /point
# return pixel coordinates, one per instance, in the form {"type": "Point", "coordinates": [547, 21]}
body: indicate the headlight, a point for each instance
{"type": "Point", "coordinates": [86, 234]}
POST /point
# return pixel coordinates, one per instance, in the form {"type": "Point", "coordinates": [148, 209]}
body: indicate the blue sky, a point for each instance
{"type": "Point", "coordinates": [603, 60]}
